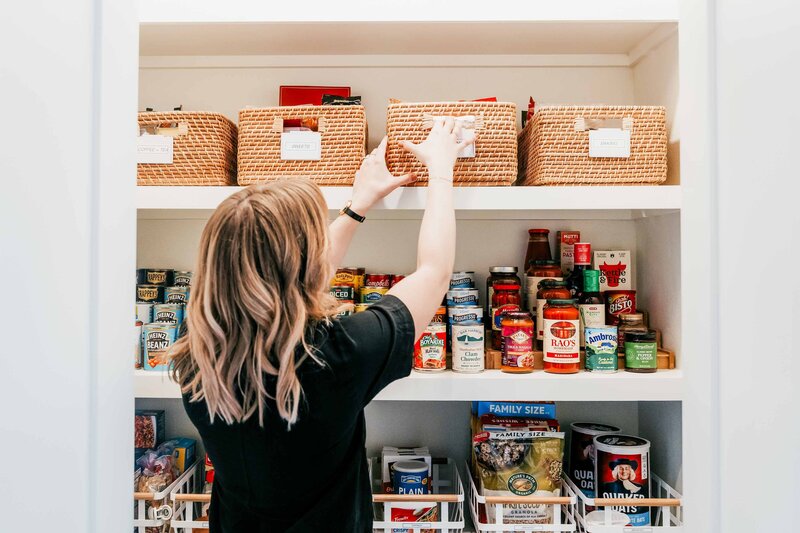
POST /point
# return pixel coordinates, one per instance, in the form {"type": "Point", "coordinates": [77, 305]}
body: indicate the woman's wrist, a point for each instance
{"type": "Point", "coordinates": [360, 206]}
{"type": "Point", "coordinates": [440, 173]}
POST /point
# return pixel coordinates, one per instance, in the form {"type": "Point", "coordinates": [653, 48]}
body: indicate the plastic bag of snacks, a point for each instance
{"type": "Point", "coordinates": [520, 463]}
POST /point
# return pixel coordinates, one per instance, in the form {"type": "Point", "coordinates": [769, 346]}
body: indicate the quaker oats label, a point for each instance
{"type": "Point", "coordinates": [623, 472]}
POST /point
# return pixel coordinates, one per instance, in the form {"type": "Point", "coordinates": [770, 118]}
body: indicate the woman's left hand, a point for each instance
{"type": "Point", "coordinates": [374, 181]}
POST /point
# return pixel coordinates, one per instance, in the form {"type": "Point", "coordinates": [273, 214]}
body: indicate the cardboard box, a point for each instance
{"type": "Point", "coordinates": [565, 244]}
{"type": "Point", "coordinates": [616, 269]}
{"type": "Point", "coordinates": [185, 453]}
{"type": "Point", "coordinates": [539, 410]}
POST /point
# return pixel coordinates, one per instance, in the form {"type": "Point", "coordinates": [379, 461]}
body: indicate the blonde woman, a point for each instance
{"type": "Point", "coordinates": [275, 386]}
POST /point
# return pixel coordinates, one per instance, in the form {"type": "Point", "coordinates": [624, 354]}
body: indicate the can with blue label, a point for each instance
{"type": "Point", "coordinates": [172, 313]}
{"type": "Point", "coordinates": [183, 278]}
{"type": "Point", "coordinates": [601, 348]}
{"type": "Point", "coordinates": [462, 280]}
{"type": "Point", "coordinates": [176, 295]}
{"type": "Point", "coordinates": [410, 477]}
{"type": "Point", "coordinates": [157, 339]}
{"type": "Point", "coordinates": [461, 297]}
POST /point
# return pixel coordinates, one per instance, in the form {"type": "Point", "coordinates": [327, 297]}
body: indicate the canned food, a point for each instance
{"type": "Point", "coordinates": [176, 295]}
{"type": "Point", "coordinates": [467, 342]}
{"type": "Point", "coordinates": [622, 470]}
{"type": "Point", "coordinates": [371, 295]}
{"type": "Point", "coordinates": [157, 338]}
{"type": "Point", "coordinates": [144, 312]}
{"type": "Point", "coordinates": [464, 313]}
{"type": "Point", "coordinates": [149, 293]}
{"type": "Point", "coordinates": [397, 278]}
{"type": "Point", "coordinates": [440, 316]}
{"type": "Point", "coordinates": [462, 280]}
{"type": "Point", "coordinates": [155, 276]}
{"type": "Point", "coordinates": [430, 349]}
{"type": "Point", "coordinates": [582, 453]}
{"type": "Point", "coordinates": [618, 303]}
{"type": "Point", "coordinates": [344, 292]}
{"type": "Point", "coordinates": [456, 297]}
{"type": "Point", "coordinates": [601, 349]}
{"type": "Point", "coordinates": [183, 278]}
{"type": "Point", "coordinates": [172, 313]}
{"type": "Point", "coordinates": [360, 308]}
{"type": "Point", "coordinates": [137, 349]}
{"type": "Point", "coordinates": [410, 477]}
{"type": "Point", "coordinates": [346, 308]}
{"type": "Point", "coordinates": [378, 280]}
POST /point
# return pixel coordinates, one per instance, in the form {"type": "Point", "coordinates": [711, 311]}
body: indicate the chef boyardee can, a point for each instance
{"type": "Point", "coordinates": [601, 348]}
{"type": "Point", "coordinates": [622, 470]}
{"type": "Point", "coordinates": [157, 338]}
{"type": "Point", "coordinates": [176, 295]}
{"type": "Point", "coordinates": [155, 276]}
{"type": "Point", "coordinates": [182, 278]}
{"type": "Point", "coordinates": [462, 280]}
{"type": "Point", "coordinates": [171, 313]}
{"type": "Point", "coordinates": [149, 293]}
{"type": "Point", "coordinates": [581, 453]}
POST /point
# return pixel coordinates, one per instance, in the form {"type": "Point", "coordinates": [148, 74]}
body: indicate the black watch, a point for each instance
{"type": "Point", "coordinates": [352, 214]}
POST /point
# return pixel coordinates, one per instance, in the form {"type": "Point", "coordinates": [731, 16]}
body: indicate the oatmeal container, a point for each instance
{"type": "Point", "coordinates": [622, 470]}
{"type": "Point", "coordinates": [582, 453]}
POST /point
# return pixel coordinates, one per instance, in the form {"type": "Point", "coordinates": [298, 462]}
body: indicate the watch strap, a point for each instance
{"type": "Point", "coordinates": [352, 214]}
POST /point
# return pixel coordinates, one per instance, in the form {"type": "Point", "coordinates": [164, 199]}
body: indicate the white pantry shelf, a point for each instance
{"type": "Point", "coordinates": [613, 202]}
{"type": "Point", "coordinates": [492, 385]}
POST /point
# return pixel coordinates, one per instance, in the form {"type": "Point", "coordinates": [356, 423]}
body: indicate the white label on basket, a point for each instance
{"type": "Point", "coordinates": [154, 149]}
{"type": "Point", "coordinates": [609, 142]}
{"type": "Point", "coordinates": [467, 151]}
{"type": "Point", "coordinates": [301, 146]}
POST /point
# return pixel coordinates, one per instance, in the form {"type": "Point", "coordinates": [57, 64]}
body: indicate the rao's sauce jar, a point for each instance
{"type": "Point", "coordinates": [561, 337]}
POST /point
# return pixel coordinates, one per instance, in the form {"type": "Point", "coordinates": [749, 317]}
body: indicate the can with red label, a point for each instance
{"type": "Point", "coordinates": [622, 470]}
{"type": "Point", "coordinates": [397, 278]}
{"type": "Point", "coordinates": [430, 349]}
{"type": "Point", "coordinates": [619, 303]}
{"type": "Point", "coordinates": [378, 280]}
{"type": "Point", "coordinates": [582, 453]}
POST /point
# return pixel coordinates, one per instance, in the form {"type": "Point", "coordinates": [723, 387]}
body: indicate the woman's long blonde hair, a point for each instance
{"type": "Point", "coordinates": [260, 284]}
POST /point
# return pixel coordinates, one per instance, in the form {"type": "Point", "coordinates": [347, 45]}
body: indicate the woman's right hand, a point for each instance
{"type": "Point", "coordinates": [440, 150]}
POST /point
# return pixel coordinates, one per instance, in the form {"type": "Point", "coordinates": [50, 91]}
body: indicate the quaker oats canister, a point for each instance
{"type": "Point", "coordinates": [582, 453]}
{"type": "Point", "coordinates": [622, 470]}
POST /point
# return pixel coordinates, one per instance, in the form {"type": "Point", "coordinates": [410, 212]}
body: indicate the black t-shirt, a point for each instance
{"type": "Point", "coordinates": [313, 477]}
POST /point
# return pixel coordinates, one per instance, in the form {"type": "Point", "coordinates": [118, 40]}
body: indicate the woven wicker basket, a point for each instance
{"type": "Point", "coordinates": [344, 135]}
{"type": "Point", "coordinates": [495, 161]}
{"type": "Point", "coordinates": [554, 147]}
{"type": "Point", "coordinates": [203, 147]}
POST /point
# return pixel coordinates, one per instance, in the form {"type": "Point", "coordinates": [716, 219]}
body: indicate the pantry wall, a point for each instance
{"type": "Point", "coordinates": [427, 410]}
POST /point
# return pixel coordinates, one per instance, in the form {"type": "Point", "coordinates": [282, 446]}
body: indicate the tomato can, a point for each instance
{"type": "Point", "coordinates": [370, 295]}
{"type": "Point", "coordinates": [462, 280]}
{"type": "Point", "coordinates": [430, 349]}
{"type": "Point", "coordinates": [176, 295]}
{"type": "Point", "coordinates": [618, 303]}
{"type": "Point", "coordinates": [157, 338]}
{"type": "Point", "coordinates": [378, 280]}
{"type": "Point", "coordinates": [622, 470]}
{"type": "Point", "coordinates": [582, 453]}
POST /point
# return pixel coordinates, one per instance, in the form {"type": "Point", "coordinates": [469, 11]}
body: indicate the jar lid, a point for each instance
{"type": "Point", "coordinates": [562, 301]}
{"type": "Point", "coordinates": [517, 314]}
{"type": "Point", "coordinates": [631, 317]}
{"type": "Point", "coordinates": [538, 230]}
{"type": "Point", "coordinates": [552, 283]}
{"type": "Point", "coordinates": [509, 287]}
{"type": "Point", "coordinates": [544, 262]}
{"type": "Point", "coordinates": [644, 335]}
{"type": "Point", "coordinates": [503, 270]}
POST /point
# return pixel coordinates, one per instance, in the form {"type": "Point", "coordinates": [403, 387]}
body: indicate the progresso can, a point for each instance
{"type": "Point", "coordinates": [622, 470]}
{"type": "Point", "coordinates": [157, 338]}
{"type": "Point", "coordinates": [581, 453]}
{"type": "Point", "coordinates": [462, 280]}
{"type": "Point", "coordinates": [176, 295]}
{"type": "Point", "coordinates": [458, 297]}
{"type": "Point", "coordinates": [172, 313]}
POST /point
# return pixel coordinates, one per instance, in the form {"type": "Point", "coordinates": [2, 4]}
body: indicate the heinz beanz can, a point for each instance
{"type": "Point", "coordinates": [172, 313]}
{"type": "Point", "coordinates": [176, 295]}
{"type": "Point", "coordinates": [157, 338]}
{"type": "Point", "coordinates": [462, 280]}
{"type": "Point", "coordinates": [581, 453]}
{"type": "Point", "coordinates": [183, 278]}
{"type": "Point", "coordinates": [601, 349]}
{"type": "Point", "coordinates": [622, 470]}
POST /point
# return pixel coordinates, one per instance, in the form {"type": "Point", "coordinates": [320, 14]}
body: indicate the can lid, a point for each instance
{"type": "Point", "coordinates": [503, 270]}
{"type": "Point", "coordinates": [562, 301]}
{"type": "Point", "coordinates": [644, 335]}
{"type": "Point", "coordinates": [538, 230]}
{"type": "Point", "coordinates": [628, 442]}
{"type": "Point", "coordinates": [591, 428]}
{"type": "Point", "coordinates": [410, 466]}
{"type": "Point", "coordinates": [509, 287]}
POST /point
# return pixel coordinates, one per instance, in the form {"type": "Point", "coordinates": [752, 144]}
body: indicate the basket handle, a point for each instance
{"type": "Point", "coordinates": [513, 500]}
{"type": "Point", "coordinates": [585, 124]}
{"type": "Point", "coordinates": [277, 124]}
{"type": "Point", "coordinates": [380, 498]}
{"type": "Point", "coordinates": [641, 502]}
{"type": "Point", "coordinates": [177, 130]}
{"type": "Point", "coordinates": [197, 498]}
{"type": "Point", "coordinates": [150, 496]}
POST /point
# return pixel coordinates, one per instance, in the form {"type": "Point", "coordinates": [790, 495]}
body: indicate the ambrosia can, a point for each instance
{"type": "Point", "coordinates": [176, 295]}
{"type": "Point", "coordinates": [183, 278]}
{"type": "Point", "coordinates": [581, 453]}
{"type": "Point", "coordinates": [172, 313]}
{"type": "Point", "coordinates": [155, 276]}
{"type": "Point", "coordinates": [622, 470]}
{"type": "Point", "coordinates": [601, 348]}
{"type": "Point", "coordinates": [157, 338]}
{"type": "Point", "coordinates": [149, 293]}
{"type": "Point", "coordinates": [378, 280]}
{"type": "Point", "coordinates": [430, 349]}
{"type": "Point", "coordinates": [462, 280]}
{"type": "Point", "coordinates": [456, 297]}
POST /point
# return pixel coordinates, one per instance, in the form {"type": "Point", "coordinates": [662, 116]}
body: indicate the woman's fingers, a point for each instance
{"type": "Point", "coordinates": [380, 150]}
{"type": "Point", "coordinates": [449, 124]}
{"type": "Point", "coordinates": [466, 142]}
{"type": "Point", "coordinates": [405, 179]}
{"type": "Point", "coordinates": [410, 147]}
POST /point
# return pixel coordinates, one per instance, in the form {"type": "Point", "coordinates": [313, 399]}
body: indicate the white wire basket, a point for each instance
{"type": "Point", "coordinates": [186, 508]}
{"type": "Point", "coordinates": [447, 494]}
{"type": "Point", "coordinates": [666, 510]}
{"type": "Point", "coordinates": [154, 509]}
{"type": "Point", "coordinates": [563, 510]}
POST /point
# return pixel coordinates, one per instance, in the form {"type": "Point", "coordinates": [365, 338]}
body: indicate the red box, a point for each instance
{"type": "Point", "coordinates": [308, 94]}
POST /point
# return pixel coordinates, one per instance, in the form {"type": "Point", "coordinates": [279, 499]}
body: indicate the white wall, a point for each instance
{"type": "Point", "coordinates": [757, 47]}
{"type": "Point", "coordinates": [68, 85]}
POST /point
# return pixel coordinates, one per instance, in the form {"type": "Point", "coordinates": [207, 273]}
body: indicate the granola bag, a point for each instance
{"type": "Point", "coordinates": [520, 463]}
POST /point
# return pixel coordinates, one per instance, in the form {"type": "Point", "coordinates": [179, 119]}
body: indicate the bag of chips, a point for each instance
{"type": "Point", "coordinates": [519, 463]}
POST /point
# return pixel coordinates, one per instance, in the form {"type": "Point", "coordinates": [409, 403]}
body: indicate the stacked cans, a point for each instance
{"type": "Point", "coordinates": [465, 323]}
{"type": "Point", "coordinates": [356, 290]}
{"type": "Point", "coordinates": [161, 298]}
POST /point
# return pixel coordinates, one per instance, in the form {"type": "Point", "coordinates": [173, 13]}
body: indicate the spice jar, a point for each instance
{"type": "Point", "coordinates": [517, 332]}
{"type": "Point", "coordinates": [538, 246]}
{"type": "Point", "coordinates": [498, 275]}
{"type": "Point", "coordinates": [628, 323]}
{"type": "Point", "coordinates": [540, 270]}
{"type": "Point", "coordinates": [549, 289]}
{"type": "Point", "coordinates": [561, 323]}
{"type": "Point", "coordinates": [641, 352]}
{"type": "Point", "coordinates": [505, 299]}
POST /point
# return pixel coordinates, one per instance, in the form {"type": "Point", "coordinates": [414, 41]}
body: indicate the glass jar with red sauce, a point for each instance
{"type": "Point", "coordinates": [498, 275]}
{"type": "Point", "coordinates": [561, 337]}
{"type": "Point", "coordinates": [538, 246]}
{"type": "Point", "coordinates": [517, 331]}
{"type": "Point", "coordinates": [505, 299]}
{"type": "Point", "coordinates": [549, 289]}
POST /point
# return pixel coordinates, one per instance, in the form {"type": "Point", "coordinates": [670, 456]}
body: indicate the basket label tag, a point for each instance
{"type": "Point", "coordinates": [467, 151]}
{"type": "Point", "coordinates": [609, 142]}
{"type": "Point", "coordinates": [154, 149]}
{"type": "Point", "coordinates": [301, 146]}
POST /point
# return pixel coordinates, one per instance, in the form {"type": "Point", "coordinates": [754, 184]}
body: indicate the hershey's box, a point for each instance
{"type": "Point", "coordinates": [565, 241]}
{"type": "Point", "coordinates": [616, 269]}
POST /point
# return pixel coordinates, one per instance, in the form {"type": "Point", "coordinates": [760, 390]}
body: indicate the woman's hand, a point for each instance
{"type": "Point", "coordinates": [374, 181]}
{"type": "Point", "coordinates": [440, 150]}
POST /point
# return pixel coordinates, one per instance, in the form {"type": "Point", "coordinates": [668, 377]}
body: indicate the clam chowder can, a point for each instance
{"type": "Point", "coordinates": [622, 470]}
{"type": "Point", "coordinates": [467, 344]}
{"type": "Point", "coordinates": [582, 453]}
